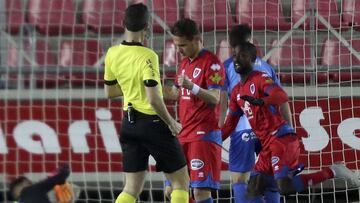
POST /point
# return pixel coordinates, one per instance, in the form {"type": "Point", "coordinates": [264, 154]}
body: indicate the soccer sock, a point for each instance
{"type": "Point", "coordinates": [272, 196]}
{"type": "Point", "coordinates": [125, 198]}
{"type": "Point", "coordinates": [210, 200]}
{"type": "Point", "coordinates": [240, 192]}
{"type": "Point", "coordinates": [179, 196]}
{"type": "Point", "coordinates": [303, 181]}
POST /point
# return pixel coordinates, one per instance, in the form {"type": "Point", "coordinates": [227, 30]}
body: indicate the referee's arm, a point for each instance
{"type": "Point", "coordinates": [112, 90]}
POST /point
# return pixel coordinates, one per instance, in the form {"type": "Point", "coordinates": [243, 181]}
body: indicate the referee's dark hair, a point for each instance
{"type": "Point", "coordinates": [136, 17]}
{"type": "Point", "coordinates": [249, 48]}
{"type": "Point", "coordinates": [185, 28]}
{"type": "Point", "coordinates": [238, 34]}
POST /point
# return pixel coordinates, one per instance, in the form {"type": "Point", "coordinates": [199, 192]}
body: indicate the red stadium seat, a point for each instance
{"type": "Point", "coordinates": [326, 8]}
{"type": "Point", "coordinates": [43, 56]}
{"type": "Point", "coordinates": [261, 14]}
{"type": "Point", "coordinates": [171, 57]}
{"type": "Point", "coordinates": [335, 53]}
{"type": "Point", "coordinates": [351, 13]}
{"type": "Point", "coordinates": [53, 17]}
{"type": "Point", "coordinates": [295, 51]}
{"type": "Point", "coordinates": [105, 16]}
{"type": "Point", "coordinates": [81, 54]}
{"type": "Point", "coordinates": [303, 78]}
{"type": "Point", "coordinates": [166, 10]}
{"type": "Point", "coordinates": [209, 15]}
{"type": "Point", "coordinates": [346, 77]}
{"type": "Point", "coordinates": [14, 15]}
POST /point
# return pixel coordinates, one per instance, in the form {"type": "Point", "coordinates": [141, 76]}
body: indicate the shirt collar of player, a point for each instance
{"type": "Point", "coordinates": [201, 52]}
{"type": "Point", "coordinates": [131, 43]}
{"type": "Point", "coordinates": [250, 75]}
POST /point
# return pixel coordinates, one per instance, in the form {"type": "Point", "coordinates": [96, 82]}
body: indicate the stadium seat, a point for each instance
{"type": "Point", "coordinates": [14, 16]}
{"type": "Point", "coordinates": [43, 56]}
{"type": "Point", "coordinates": [351, 13]}
{"type": "Point", "coordinates": [168, 11]}
{"type": "Point", "coordinates": [334, 53]}
{"type": "Point", "coordinates": [81, 55]}
{"type": "Point", "coordinates": [209, 15]}
{"type": "Point", "coordinates": [295, 51]}
{"type": "Point", "coordinates": [341, 77]}
{"type": "Point", "coordinates": [303, 78]}
{"type": "Point", "coordinates": [171, 57]}
{"type": "Point", "coordinates": [105, 16]}
{"type": "Point", "coordinates": [326, 8]}
{"type": "Point", "coordinates": [261, 14]}
{"type": "Point", "coordinates": [53, 17]}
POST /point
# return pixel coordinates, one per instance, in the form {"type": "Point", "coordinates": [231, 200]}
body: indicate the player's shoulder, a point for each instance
{"type": "Point", "coordinates": [208, 55]}
{"type": "Point", "coordinates": [260, 75]}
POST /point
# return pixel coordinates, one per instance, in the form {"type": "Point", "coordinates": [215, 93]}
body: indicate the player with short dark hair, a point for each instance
{"type": "Point", "coordinates": [243, 141]}
{"type": "Point", "coordinates": [259, 98]}
{"type": "Point", "coordinates": [200, 77]}
{"type": "Point", "coordinates": [132, 70]}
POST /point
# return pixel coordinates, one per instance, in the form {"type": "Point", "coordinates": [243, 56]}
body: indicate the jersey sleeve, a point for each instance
{"type": "Point", "coordinates": [151, 68]}
{"type": "Point", "coordinates": [272, 93]}
{"type": "Point", "coordinates": [109, 77]}
{"type": "Point", "coordinates": [215, 74]}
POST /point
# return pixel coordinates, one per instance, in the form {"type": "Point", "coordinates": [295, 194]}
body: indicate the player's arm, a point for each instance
{"type": "Point", "coordinates": [171, 92]}
{"type": "Point", "coordinates": [223, 106]}
{"type": "Point", "coordinates": [49, 183]}
{"type": "Point", "coordinates": [232, 117]}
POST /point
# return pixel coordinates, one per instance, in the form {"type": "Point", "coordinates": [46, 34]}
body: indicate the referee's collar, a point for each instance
{"type": "Point", "coordinates": [131, 43]}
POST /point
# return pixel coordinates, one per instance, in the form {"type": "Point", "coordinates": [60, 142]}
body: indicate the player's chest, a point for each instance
{"type": "Point", "coordinates": [195, 72]}
{"type": "Point", "coordinates": [249, 89]}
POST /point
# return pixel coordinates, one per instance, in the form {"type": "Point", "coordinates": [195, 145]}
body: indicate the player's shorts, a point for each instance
{"type": "Point", "coordinates": [149, 135]}
{"type": "Point", "coordinates": [242, 151]}
{"type": "Point", "coordinates": [204, 163]}
{"type": "Point", "coordinates": [280, 158]}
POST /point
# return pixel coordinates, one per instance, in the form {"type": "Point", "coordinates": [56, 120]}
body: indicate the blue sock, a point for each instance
{"type": "Point", "coordinates": [272, 196]}
{"type": "Point", "coordinates": [239, 190]}
{"type": "Point", "coordinates": [210, 200]}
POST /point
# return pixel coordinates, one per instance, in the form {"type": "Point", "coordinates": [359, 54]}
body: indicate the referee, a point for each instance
{"type": "Point", "coordinates": [132, 70]}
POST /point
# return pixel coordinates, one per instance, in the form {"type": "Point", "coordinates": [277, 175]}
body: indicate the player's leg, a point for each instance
{"type": "Point", "coordinates": [285, 154]}
{"type": "Point", "coordinates": [180, 185]}
{"type": "Point", "coordinates": [241, 161]}
{"type": "Point", "coordinates": [271, 193]}
{"type": "Point", "coordinates": [134, 182]}
{"type": "Point", "coordinates": [205, 166]}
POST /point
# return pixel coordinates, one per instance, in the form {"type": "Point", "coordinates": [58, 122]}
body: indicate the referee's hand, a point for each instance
{"type": "Point", "coordinates": [175, 128]}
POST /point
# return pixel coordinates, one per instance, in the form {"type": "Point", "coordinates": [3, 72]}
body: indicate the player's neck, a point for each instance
{"type": "Point", "coordinates": [244, 77]}
{"type": "Point", "coordinates": [198, 50]}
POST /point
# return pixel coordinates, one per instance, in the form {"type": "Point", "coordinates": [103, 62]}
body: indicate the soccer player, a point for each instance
{"type": "Point", "coordinates": [132, 70]}
{"type": "Point", "coordinates": [259, 98]}
{"type": "Point", "coordinates": [243, 141]}
{"type": "Point", "coordinates": [199, 79]}
{"type": "Point", "coordinates": [24, 191]}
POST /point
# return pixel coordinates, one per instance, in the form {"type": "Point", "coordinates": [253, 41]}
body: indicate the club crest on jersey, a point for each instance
{"type": "Point", "coordinates": [215, 67]}
{"type": "Point", "coordinates": [196, 72]}
{"type": "Point", "coordinates": [252, 88]}
{"type": "Point", "coordinates": [196, 164]}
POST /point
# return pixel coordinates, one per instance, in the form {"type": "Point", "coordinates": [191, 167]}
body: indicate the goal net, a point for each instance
{"type": "Point", "coordinates": [53, 109]}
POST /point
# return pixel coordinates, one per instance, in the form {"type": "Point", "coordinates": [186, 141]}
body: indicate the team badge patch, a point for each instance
{"type": "Point", "coordinates": [196, 164]}
{"type": "Point", "coordinates": [216, 78]}
{"type": "Point", "coordinates": [196, 72]}
{"type": "Point", "coordinates": [274, 160]}
{"type": "Point", "coordinates": [252, 88]}
{"type": "Point", "coordinates": [215, 67]}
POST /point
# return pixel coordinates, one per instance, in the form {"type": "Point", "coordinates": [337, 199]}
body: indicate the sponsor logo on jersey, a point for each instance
{"type": "Point", "coordinates": [215, 78]}
{"type": "Point", "coordinates": [196, 72]}
{"type": "Point", "coordinates": [252, 88]}
{"type": "Point", "coordinates": [196, 164]}
{"type": "Point", "coordinates": [245, 137]}
{"type": "Point", "coordinates": [215, 67]}
{"type": "Point", "coordinates": [274, 160]}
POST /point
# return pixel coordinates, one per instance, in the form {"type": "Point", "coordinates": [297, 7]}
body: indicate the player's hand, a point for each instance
{"type": "Point", "coordinates": [252, 100]}
{"type": "Point", "coordinates": [175, 128]}
{"type": "Point", "coordinates": [64, 193]}
{"type": "Point", "coordinates": [168, 191]}
{"type": "Point", "coordinates": [184, 81]}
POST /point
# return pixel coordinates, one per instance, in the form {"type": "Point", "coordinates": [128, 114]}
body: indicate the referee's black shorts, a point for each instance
{"type": "Point", "coordinates": [149, 135]}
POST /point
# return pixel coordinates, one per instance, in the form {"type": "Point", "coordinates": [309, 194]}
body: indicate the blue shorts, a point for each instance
{"type": "Point", "coordinates": [242, 151]}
